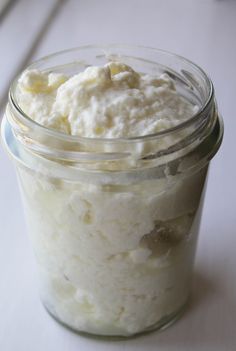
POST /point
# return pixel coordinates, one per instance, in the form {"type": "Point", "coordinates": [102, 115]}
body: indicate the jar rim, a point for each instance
{"type": "Point", "coordinates": [74, 138]}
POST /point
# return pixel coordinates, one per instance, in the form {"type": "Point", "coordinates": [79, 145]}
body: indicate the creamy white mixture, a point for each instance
{"type": "Point", "coordinates": [110, 102]}
{"type": "Point", "coordinates": [112, 262]}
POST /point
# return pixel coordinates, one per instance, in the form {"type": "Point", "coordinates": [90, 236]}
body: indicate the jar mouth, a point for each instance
{"type": "Point", "coordinates": [205, 107]}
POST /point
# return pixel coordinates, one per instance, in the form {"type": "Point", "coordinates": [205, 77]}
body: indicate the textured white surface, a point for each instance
{"type": "Point", "coordinates": [112, 101]}
{"type": "Point", "coordinates": [202, 30]}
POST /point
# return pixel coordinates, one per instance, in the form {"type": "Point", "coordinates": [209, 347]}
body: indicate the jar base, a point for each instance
{"type": "Point", "coordinates": [161, 325]}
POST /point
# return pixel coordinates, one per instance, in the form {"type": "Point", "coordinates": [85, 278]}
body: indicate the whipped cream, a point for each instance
{"type": "Point", "coordinates": [114, 260]}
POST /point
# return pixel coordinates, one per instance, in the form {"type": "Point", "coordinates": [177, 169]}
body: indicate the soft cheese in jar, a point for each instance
{"type": "Point", "coordinates": [112, 145]}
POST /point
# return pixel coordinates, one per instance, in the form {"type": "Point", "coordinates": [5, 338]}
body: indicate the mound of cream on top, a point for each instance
{"type": "Point", "coordinates": [113, 261]}
{"type": "Point", "coordinates": [106, 102]}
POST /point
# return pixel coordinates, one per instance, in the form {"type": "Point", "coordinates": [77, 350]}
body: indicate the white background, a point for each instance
{"type": "Point", "coordinates": [205, 32]}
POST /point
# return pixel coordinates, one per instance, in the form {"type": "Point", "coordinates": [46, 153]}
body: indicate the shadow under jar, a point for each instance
{"type": "Point", "coordinates": [114, 222]}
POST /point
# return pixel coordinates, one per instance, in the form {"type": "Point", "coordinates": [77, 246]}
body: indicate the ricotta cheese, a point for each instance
{"type": "Point", "coordinates": [112, 101]}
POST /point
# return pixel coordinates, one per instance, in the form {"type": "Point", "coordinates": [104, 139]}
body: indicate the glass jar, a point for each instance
{"type": "Point", "coordinates": [114, 222]}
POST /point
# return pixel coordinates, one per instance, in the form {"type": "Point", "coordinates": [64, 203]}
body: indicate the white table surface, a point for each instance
{"type": "Point", "coordinates": [202, 30]}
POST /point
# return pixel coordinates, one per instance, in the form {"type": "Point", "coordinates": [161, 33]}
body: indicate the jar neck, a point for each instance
{"type": "Point", "coordinates": [199, 140]}
{"type": "Point", "coordinates": [199, 137]}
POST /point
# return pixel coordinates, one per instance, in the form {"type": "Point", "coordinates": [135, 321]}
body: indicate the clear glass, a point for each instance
{"type": "Point", "coordinates": [114, 222]}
